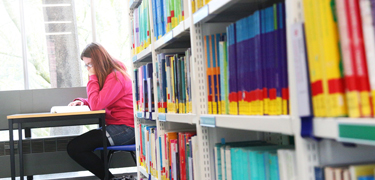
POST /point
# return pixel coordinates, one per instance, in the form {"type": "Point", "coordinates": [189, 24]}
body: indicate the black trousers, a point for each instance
{"type": "Point", "coordinates": [81, 150]}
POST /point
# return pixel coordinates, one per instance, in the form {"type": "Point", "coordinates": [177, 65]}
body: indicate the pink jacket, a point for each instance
{"type": "Point", "coordinates": [116, 97]}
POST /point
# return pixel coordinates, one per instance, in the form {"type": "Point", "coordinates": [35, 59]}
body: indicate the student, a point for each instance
{"type": "Point", "coordinates": [110, 88]}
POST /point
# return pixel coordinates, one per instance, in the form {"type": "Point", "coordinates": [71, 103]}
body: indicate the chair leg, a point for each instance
{"type": "Point", "coordinates": [134, 157]}
{"type": "Point", "coordinates": [110, 153]}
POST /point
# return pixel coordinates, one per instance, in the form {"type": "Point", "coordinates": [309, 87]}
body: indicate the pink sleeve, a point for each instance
{"type": "Point", "coordinates": [83, 100]}
{"type": "Point", "coordinates": [100, 99]}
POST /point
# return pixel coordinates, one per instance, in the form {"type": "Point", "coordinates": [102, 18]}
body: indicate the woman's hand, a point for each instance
{"type": "Point", "coordinates": [76, 103]}
{"type": "Point", "coordinates": [91, 71]}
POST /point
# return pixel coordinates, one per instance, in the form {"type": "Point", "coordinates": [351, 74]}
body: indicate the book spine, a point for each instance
{"type": "Point", "coordinates": [258, 89]}
{"type": "Point", "coordinates": [169, 86]}
{"type": "Point", "coordinates": [313, 58]}
{"type": "Point", "coordinates": [359, 57]}
{"type": "Point", "coordinates": [214, 75]}
{"type": "Point", "coordinates": [217, 72]}
{"type": "Point", "coordinates": [240, 67]}
{"type": "Point", "coordinates": [174, 84]}
{"type": "Point", "coordinates": [351, 90]}
{"type": "Point", "coordinates": [368, 15]}
{"type": "Point", "coordinates": [183, 76]}
{"type": "Point", "coordinates": [222, 78]}
{"type": "Point", "coordinates": [332, 85]}
{"type": "Point", "coordinates": [232, 68]}
{"type": "Point", "coordinates": [209, 73]}
{"type": "Point", "coordinates": [284, 56]}
{"type": "Point", "coordinates": [249, 64]}
{"type": "Point", "coordinates": [280, 65]}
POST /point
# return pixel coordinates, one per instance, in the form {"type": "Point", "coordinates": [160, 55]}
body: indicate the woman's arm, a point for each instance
{"type": "Point", "coordinates": [100, 99]}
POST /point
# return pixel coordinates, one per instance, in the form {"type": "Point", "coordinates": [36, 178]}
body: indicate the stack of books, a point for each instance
{"type": "Point", "coordinates": [174, 83]}
{"type": "Point", "coordinates": [197, 4]}
{"type": "Point", "coordinates": [177, 152]}
{"type": "Point", "coordinates": [339, 57]}
{"type": "Point", "coordinates": [247, 66]}
{"type": "Point", "coordinates": [144, 91]}
{"type": "Point", "coordinates": [167, 14]}
{"type": "Point", "coordinates": [345, 172]}
{"type": "Point", "coordinates": [140, 33]}
{"type": "Point", "coordinates": [254, 160]}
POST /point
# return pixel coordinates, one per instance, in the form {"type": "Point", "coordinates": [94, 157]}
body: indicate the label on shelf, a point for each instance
{"type": "Point", "coordinates": [139, 115]}
{"type": "Point", "coordinates": [200, 14]}
{"type": "Point", "coordinates": [208, 121]}
{"type": "Point", "coordinates": [356, 133]}
{"type": "Point", "coordinates": [134, 58]}
{"type": "Point", "coordinates": [162, 117]}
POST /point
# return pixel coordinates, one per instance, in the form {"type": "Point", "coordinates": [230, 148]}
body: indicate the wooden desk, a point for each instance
{"type": "Point", "coordinates": [51, 120]}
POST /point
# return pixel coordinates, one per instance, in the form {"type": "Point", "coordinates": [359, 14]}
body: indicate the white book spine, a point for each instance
{"type": "Point", "coordinates": [329, 173]}
{"type": "Point", "coordinates": [190, 169]}
{"type": "Point", "coordinates": [223, 163]}
{"type": "Point", "coordinates": [217, 159]}
{"type": "Point", "coordinates": [293, 164]}
{"type": "Point", "coordinates": [228, 162]}
{"type": "Point", "coordinates": [282, 164]}
{"type": "Point", "coordinates": [346, 174]}
{"type": "Point", "coordinates": [300, 66]}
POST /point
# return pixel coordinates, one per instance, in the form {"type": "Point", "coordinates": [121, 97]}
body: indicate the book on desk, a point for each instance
{"type": "Point", "coordinates": [67, 109]}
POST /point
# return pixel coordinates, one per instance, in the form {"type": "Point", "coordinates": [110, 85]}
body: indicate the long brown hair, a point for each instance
{"type": "Point", "coordinates": [102, 62]}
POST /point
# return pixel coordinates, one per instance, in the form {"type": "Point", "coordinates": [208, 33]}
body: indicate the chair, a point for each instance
{"type": "Point", "coordinates": [113, 149]}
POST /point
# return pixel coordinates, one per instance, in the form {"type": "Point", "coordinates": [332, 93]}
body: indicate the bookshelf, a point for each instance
{"type": "Point", "coordinates": [213, 18]}
{"type": "Point", "coordinates": [348, 130]}
{"type": "Point", "coordinates": [143, 56]}
{"type": "Point", "coordinates": [278, 124]}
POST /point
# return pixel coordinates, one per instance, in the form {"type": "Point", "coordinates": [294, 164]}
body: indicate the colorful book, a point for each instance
{"type": "Point", "coordinates": [367, 15]}
{"type": "Point", "coordinates": [232, 69]}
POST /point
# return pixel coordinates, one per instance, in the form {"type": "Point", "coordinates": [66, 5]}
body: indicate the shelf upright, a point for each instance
{"type": "Point", "coordinates": [136, 121]}
{"type": "Point", "coordinates": [307, 154]}
{"type": "Point", "coordinates": [199, 94]}
{"type": "Point", "coordinates": [159, 127]}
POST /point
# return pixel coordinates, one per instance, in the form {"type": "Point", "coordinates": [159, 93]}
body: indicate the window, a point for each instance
{"type": "Point", "coordinates": [11, 63]}
{"type": "Point", "coordinates": [55, 33]}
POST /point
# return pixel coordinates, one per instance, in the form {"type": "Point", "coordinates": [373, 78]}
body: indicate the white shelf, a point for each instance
{"type": "Point", "coordinates": [325, 128]}
{"type": "Point", "coordinates": [143, 171]}
{"type": "Point", "coordinates": [179, 118]}
{"type": "Point", "coordinates": [223, 11]}
{"type": "Point", "coordinates": [276, 124]}
{"type": "Point", "coordinates": [173, 37]}
{"type": "Point", "coordinates": [350, 130]}
{"type": "Point", "coordinates": [143, 56]}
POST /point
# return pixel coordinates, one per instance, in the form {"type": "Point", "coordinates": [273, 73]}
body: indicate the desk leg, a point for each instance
{"type": "Point", "coordinates": [20, 152]}
{"type": "Point", "coordinates": [11, 144]}
{"type": "Point", "coordinates": [105, 160]}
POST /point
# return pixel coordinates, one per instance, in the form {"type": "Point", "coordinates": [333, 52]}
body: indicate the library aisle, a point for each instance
{"type": "Point", "coordinates": [254, 89]}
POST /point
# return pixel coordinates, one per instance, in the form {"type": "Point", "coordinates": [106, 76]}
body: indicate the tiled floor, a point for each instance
{"type": "Point", "coordinates": [82, 175]}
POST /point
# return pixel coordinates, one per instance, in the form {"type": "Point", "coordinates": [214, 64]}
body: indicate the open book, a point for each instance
{"type": "Point", "coordinates": [66, 109]}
